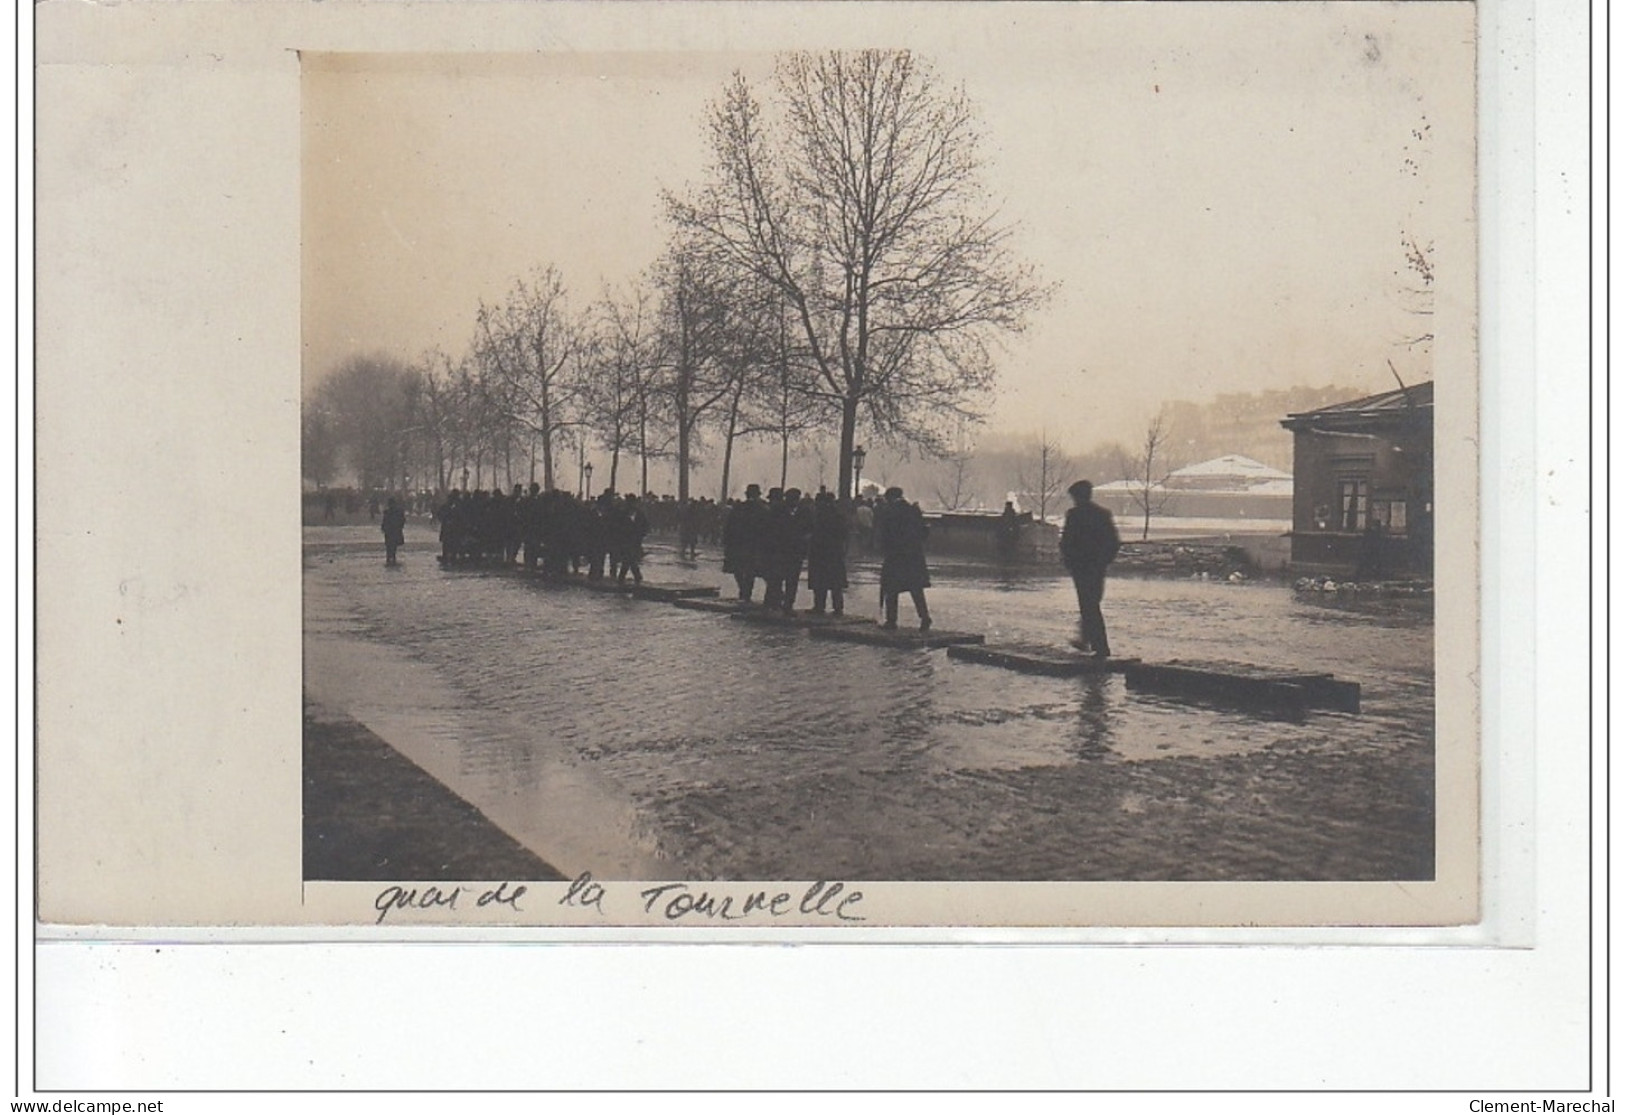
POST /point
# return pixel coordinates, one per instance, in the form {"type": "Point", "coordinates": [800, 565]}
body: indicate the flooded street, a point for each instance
{"type": "Point", "coordinates": [639, 740]}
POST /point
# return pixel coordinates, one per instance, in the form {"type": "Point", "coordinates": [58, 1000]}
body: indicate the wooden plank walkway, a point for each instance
{"type": "Point", "coordinates": [1321, 689]}
{"type": "Point", "coordinates": [903, 637]}
{"type": "Point", "coordinates": [708, 604]}
{"type": "Point", "coordinates": [1262, 689]}
{"type": "Point", "coordinates": [1036, 658]}
{"type": "Point", "coordinates": [669, 591]}
{"type": "Point", "coordinates": [1265, 690]}
{"type": "Point", "coordinates": [799, 619]}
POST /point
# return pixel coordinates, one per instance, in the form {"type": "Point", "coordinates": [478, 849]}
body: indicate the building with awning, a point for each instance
{"type": "Point", "coordinates": [1362, 470]}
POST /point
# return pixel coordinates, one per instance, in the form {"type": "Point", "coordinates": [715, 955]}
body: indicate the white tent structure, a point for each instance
{"type": "Point", "coordinates": [1228, 487]}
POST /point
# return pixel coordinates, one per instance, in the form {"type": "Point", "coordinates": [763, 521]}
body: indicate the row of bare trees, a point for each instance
{"type": "Point", "coordinates": [837, 266]}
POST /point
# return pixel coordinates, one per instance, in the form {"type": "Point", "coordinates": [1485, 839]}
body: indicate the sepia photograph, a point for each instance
{"type": "Point", "coordinates": [1014, 464]}
{"type": "Point", "coordinates": [893, 545]}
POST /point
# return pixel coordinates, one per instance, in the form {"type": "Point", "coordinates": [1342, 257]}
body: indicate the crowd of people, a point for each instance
{"type": "Point", "coordinates": [772, 539]}
{"type": "Point", "coordinates": [553, 531]}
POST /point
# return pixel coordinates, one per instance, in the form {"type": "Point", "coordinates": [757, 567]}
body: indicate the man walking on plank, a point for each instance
{"type": "Point", "coordinates": [1089, 542]}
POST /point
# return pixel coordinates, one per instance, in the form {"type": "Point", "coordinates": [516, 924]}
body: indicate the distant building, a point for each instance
{"type": "Point", "coordinates": [1363, 486]}
{"type": "Point", "coordinates": [1228, 487]}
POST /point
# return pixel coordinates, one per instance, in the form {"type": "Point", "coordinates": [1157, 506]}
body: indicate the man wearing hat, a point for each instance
{"type": "Point", "coordinates": [742, 537]}
{"type": "Point", "coordinates": [1089, 542]}
{"type": "Point", "coordinates": [900, 534]}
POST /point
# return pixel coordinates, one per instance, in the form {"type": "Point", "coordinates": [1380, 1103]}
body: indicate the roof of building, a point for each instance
{"type": "Point", "coordinates": [1232, 466]}
{"type": "Point", "coordinates": [1418, 396]}
{"type": "Point", "coordinates": [1130, 487]}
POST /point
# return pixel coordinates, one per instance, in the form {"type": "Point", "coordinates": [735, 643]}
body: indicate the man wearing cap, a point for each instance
{"type": "Point", "coordinates": [1089, 542]}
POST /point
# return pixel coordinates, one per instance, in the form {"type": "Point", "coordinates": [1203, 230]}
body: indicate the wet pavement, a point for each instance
{"type": "Point", "coordinates": [639, 740]}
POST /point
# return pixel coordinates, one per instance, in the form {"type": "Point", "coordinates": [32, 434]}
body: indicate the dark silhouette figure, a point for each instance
{"type": "Point", "coordinates": [900, 534]}
{"type": "Point", "coordinates": [452, 516]}
{"type": "Point", "coordinates": [789, 528]}
{"type": "Point", "coordinates": [826, 554]}
{"type": "Point", "coordinates": [630, 527]}
{"type": "Point", "coordinates": [598, 536]}
{"type": "Point", "coordinates": [1089, 543]}
{"type": "Point", "coordinates": [743, 536]}
{"type": "Point", "coordinates": [1369, 566]}
{"type": "Point", "coordinates": [1009, 532]}
{"type": "Point", "coordinates": [394, 530]}
{"type": "Point", "coordinates": [688, 530]}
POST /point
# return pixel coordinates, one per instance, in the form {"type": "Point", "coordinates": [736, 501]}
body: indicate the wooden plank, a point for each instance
{"type": "Point", "coordinates": [704, 604]}
{"type": "Point", "coordinates": [1321, 689]}
{"type": "Point", "coordinates": [1332, 693]}
{"type": "Point", "coordinates": [904, 637]}
{"type": "Point", "coordinates": [772, 618]}
{"type": "Point", "coordinates": [1034, 658]}
{"type": "Point", "coordinates": [1253, 694]}
{"type": "Point", "coordinates": [669, 591]}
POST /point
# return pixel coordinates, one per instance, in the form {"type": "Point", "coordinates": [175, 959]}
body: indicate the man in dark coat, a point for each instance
{"type": "Point", "coordinates": [1089, 542]}
{"type": "Point", "coordinates": [530, 527]}
{"type": "Point", "coordinates": [900, 535]}
{"type": "Point", "coordinates": [631, 526]}
{"type": "Point", "coordinates": [599, 533]}
{"type": "Point", "coordinates": [789, 529]}
{"type": "Point", "coordinates": [826, 554]}
{"type": "Point", "coordinates": [1009, 532]}
{"type": "Point", "coordinates": [394, 530]}
{"type": "Point", "coordinates": [743, 535]}
{"type": "Point", "coordinates": [513, 527]}
{"type": "Point", "coordinates": [453, 517]}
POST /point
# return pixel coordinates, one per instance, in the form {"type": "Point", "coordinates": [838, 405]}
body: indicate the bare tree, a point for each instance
{"type": "Point", "coordinates": [955, 484]}
{"type": "Point", "coordinates": [955, 479]}
{"type": "Point", "coordinates": [1147, 471]}
{"type": "Point", "coordinates": [1045, 471]}
{"type": "Point", "coordinates": [692, 313]}
{"type": "Point", "coordinates": [860, 204]}
{"type": "Point", "coordinates": [619, 365]}
{"type": "Point", "coordinates": [526, 348]}
{"type": "Point", "coordinates": [366, 408]}
{"type": "Point", "coordinates": [436, 417]}
{"type": "Point", "coordinates": [1416, 276]}
{"type": "Point", "coordinates": [781, 396]}
{"type": "Point", "coordinates": [318, 447]}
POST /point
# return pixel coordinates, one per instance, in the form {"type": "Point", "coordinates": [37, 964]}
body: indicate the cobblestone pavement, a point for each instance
{"type": "Point", "coordinates": [639, 740]}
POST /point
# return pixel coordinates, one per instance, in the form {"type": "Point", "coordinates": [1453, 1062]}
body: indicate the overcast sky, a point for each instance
{"type": "Point", "coordinates": [1219, 189]}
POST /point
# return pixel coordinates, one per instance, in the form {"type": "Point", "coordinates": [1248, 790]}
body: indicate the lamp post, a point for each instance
{"type": "Point", "coordinates": [857, 471]}
{"type": "Point", "coordinates": [587, 468]}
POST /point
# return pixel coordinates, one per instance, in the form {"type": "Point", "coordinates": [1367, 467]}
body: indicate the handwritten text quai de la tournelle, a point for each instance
{"type": "Point", "coordinates": [674, 902]}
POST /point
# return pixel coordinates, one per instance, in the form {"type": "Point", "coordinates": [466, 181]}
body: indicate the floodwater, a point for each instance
{"type": "Point", "coordinates": [639, 740]}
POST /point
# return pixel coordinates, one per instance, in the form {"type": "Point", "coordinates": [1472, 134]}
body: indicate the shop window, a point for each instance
{"type": "Point", "coordinates": [1353, 504]}
{"type": "Point", "coordinates": [1389, 514]}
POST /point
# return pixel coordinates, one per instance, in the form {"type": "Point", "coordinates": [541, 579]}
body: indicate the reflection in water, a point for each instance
{"type": "Point", "coordinates": [1094, 736]}
{"type": "Point", "coordinates": [706, 730]}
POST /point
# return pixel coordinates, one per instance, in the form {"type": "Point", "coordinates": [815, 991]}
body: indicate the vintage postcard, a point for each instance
{"type": "Point", "coordinates": [914, 466]}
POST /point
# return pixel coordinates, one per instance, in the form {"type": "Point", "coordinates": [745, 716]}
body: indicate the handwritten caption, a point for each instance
{"type": "Point", "coordinates": [672, 902]}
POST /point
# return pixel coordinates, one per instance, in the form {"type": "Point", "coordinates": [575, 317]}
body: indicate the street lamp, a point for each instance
{"type": "Point", "coordinates": [857, 471]}
{"type": "Point", "coordinates": [587, 468]}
